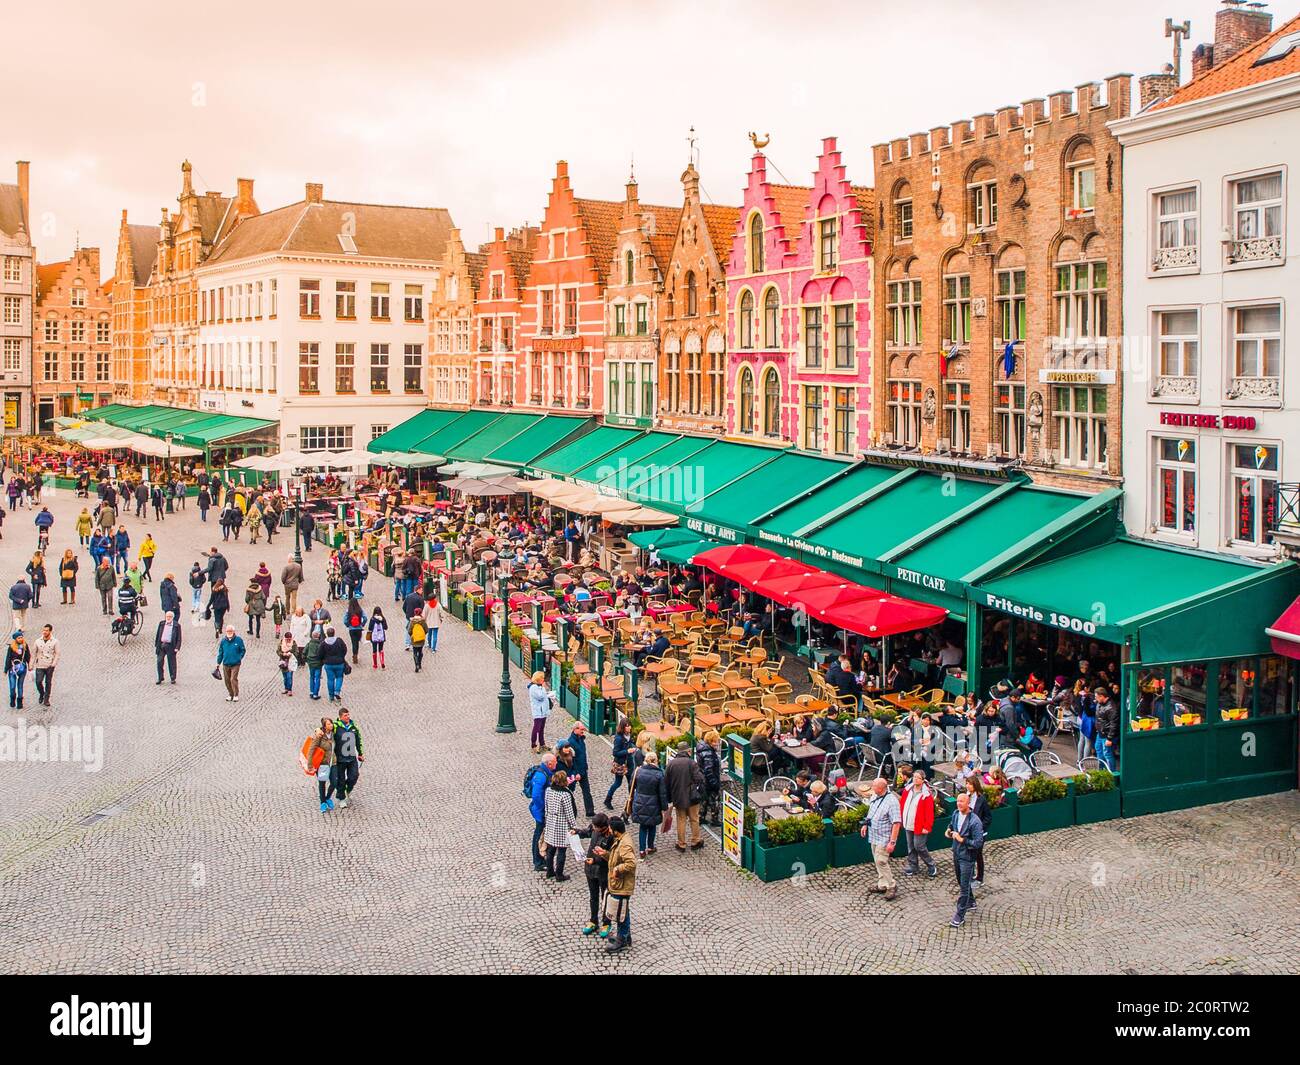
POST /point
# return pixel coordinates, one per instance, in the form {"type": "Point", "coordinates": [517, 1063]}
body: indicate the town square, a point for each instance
{"type": "Point", "coordinates": [806, 536]}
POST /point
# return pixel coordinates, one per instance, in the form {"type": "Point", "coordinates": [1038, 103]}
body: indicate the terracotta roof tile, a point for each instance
{"type": "Point", "coordinates": [721, 222]}
{"type": "Point", "coordinates": [664, 235]}
{"type": "Point", "coordinates": [791, 203]}
{"type": "Point", "coordinates": [601, 219]}
{"type": "Point", "coordinates": [475, 264]}
{"type": "Point", "coordinates": [866, 198]}
{"type": "Point", "coordinates": [47, 276]}
{"type": "Point", "coordinates": [1240, 71]}
{"type": "Point", "coordinates": [520, 254]}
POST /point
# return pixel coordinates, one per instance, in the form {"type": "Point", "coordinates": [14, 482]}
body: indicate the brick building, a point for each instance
{"type": "Point", "coordinates": [73, 338]}
{"type": "Point", "coordinates": [451, 325]}
{"type": "Point", "coordinates": [17, 290]}
{"type": "Point", "coordinates": [562, 324]}
{"type": "Point", "coordinates": [634, 288]}
{"type": "Point", "coordinates": [137, 250]}
{"type": "Point", "coordinates": [999, 246]}
{"type": "Point", "coordinates": [497, 312]}
{"type": "Point", "coordinates": [693, 315]}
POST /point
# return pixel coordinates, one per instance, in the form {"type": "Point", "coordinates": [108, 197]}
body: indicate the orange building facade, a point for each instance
{"type": "Point", "coordinates": [137, 248]}
{"type": "Point", "coordinates": [497, 312]}
{"type": "Point", "coordinates": [451, 325]}
{"type": "Point", "coordinates": [73, 361]}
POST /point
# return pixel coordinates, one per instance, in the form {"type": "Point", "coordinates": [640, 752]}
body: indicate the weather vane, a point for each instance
{"type": "Point", "coordinates": [760, 142]}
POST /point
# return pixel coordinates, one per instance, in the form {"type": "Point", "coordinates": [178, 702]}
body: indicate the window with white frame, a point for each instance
{"type": "Point", "coordinates": [49, 365]}
{"type": "Point", "coordinates": [309, 368]}
{"type": "Point", "coordinates": [903, 214]}
{"type": "Point", "coordinates": [78, 296]}
{"type": "Point", "coordinates": [1178, 353]}
{"type": "Point", "coordinates": [1257, 218]}
{"type": "Point", "coordinates": [345, 368]}
{"type": "Point", "coordinates": [379, 300]}
{"type": "Point", "coordinates": [673, 381]}
{"type": "Point", "coordinates": [376, 431]}
{"type": "Point", "coordinates": [102, 332]}
{"type": "Point", "coordinates": [13, 268]}
{"type": "Point", "coordinates": [904, 313]}
{"type": "Point", "coordinates": [442, 384]}
{"type": "Point", "coordinates": [812, 337]}
{"type": "Point", "coordinates": [745, 326]}
{"type": "Point", "coordinates": [1011, 305]}
{"type": "Point", "coordinates": [905, 412]}
{"type": "Point", "coordinates": [1009, 417]}
{"type": "Point", "coordinates": [1254, 493]}
{"type": "Point", "coordinates": [325, 438]}
{"type": "Point", "coordinates": [13, 311]}
{"type": "Point", "coordinates": [460, 384]}
{"type": "Point", "coordinates": [717, 383]}
{"type": "Point", "coordinates": [413, 368]}
{"type": "Point", "coordinates": [620, 319]}
{"type": "Point", "coordinates": [812, 418]}
{"type": "Point", "coordinates": [844, 425]}
{"type": "Point", "coordinates": [1256, 338]}
{"type": "Point", "coordinates": [1083, 184]}
{"type": "Point", "coordinates": [828, 244]}
{"type": "Point", "coordinates": [379, 368]}
{"type": "Point", "coordinates": [845, 336]}
{"type": "Point", "coordinates": [1081, 304]}
{"type": "Point", "coordinates": [442, 336]}
{"type": "Point", "coordinates": [463, 331]}
{"type": "Point", "coordinates": [51, 329]}
{"type": "Point", "coordinates": [771, 404]}
{"type": "Point", "coordinates": [274, 296]}
{"type": "Point", "coordinates": [693, 382]}
{"type": "Point", "coordinates": [1177, 229]}
{"type": "Point", "coordinates": [413, 303]}
{"type": "Point", "coordinates": [956, 414]}
{"type": "Point", "coordinates": [13, 354]}
{"type": "Point", "coordinates": [78, 361]}
{"type": "Point", "coordinates": [983, 204]}
{"type": "Point", "coordinates": [345, 299]}
{"type": "Point", "coordinates": [77, 331]}
{"type": "Point", "coordinates": [101, 366]}
{"type": "Point", "coordinates": [1080, 417]}
{"type": "Point", "coordinates": [308, 298]}
{"type": "Point", "coordinates": [956, 309]}
{"type": "Point", "coordinates": [1175, 502]}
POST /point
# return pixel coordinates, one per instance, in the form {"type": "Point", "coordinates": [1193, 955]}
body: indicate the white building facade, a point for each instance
{"type": "Point", "coordinates": [17, 290]}
{"type": "Point", "coordinates": [1211, 425]}
{"type": "Point", "coordinates": [326, 330]}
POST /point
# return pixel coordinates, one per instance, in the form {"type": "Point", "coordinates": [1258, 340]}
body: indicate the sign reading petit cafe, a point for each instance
{"type": "Point", "coordinates": [1207, 421]}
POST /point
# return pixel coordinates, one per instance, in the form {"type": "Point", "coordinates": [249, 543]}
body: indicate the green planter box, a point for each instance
{"type": "Point", "coordinates": [1096, 806]}
{"type": "Point", "coordinates": [1006, 818]}
{"type": "Point", "coordinates": [746, 852]}
{"type": "Point", "coordinates": [457, 608]}
{"type": "Point", "coordinates": [1046, 816]}
{"type": "Point", "coordinates": [478, 618]}
{"type": "Point", "coordinates": [781, 863]}
{"type": "Point", "coordinates": [516, 656]}
{"type": "Point", "coordinates": [852, 849]}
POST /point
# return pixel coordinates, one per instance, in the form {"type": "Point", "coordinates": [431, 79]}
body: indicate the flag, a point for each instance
{"type": "Point", "coordinates": [944, 356]}
{"type": "Point", "coordinates": [1009, 359]}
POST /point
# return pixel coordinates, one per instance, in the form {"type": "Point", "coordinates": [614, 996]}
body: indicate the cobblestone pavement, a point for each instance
{"type": "Point", "coordinates": [213, 856]}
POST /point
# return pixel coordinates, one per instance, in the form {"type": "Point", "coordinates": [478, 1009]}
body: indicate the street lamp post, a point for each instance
{"type": "Point", "coordinates": [297, 525]}
{"type": "Point", "coordinates": [506, 694]}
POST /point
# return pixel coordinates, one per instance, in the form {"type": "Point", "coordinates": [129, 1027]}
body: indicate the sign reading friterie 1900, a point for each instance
{"type": "Point", "coordinates": [1207, 421]}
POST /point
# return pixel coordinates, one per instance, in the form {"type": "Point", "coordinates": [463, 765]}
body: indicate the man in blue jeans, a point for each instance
{"type": "Point", "coordinates": [622, 881]}
{"type": "Point", "coordinates": [967, 834]}
{"type": "Point", "coordinates": [537, 807]}
{"type": "Point", "coordinates": [334, 656]}
{"type": "Point", "coordinates": [1107, 726]}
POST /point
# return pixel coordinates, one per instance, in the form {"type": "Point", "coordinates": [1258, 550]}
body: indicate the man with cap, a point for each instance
{"type": "Point", "coordinates": [685, 782]}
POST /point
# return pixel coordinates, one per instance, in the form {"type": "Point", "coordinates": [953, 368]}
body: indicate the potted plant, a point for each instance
{"type": "Point", "coordinates": [1045, 803]}
{"type": "Point", "coordinates": [788, 846]}
{"type": "Point", "coordinates": [848, 845]}
{"type": "Point", "coordinates": [1096, 797]}
{"type": "Point", "coordinates": [1006, 811]}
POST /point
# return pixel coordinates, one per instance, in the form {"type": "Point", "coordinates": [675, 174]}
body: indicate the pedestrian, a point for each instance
{"type": "Point", "coordinates": [204, 501]}
{"type": "Point", "coordinates": [230, 655]}
{"type": "Point", "coordinates": [43, 521]}
{"type": "Point", "coordinates": [333, 575]}
{"type": "Point", "coordinates": [967, 835]}
{"type": "Point", "coordinates": [291, 577]}
{"type": "Point", "coordinates": [980, 807]}
{"type": "Point", "coordinates": [314, 655]}
{"type": "Point", "coordinates": [536, 781]}
{"type": "Point", "coordinates": [318, 761]}
{"type": "Point", "coordinates": [300, 630]}
{"type": "Point", "coordinates": [254, 521]}
{"type": "Point", "coordinates": [621, 884]}
{"type": "Point", "coordinates": [377, 634]}
{"type": "Point", "coordinates": [577, 741]}
{"type": "Point", "coordinates": [287, 661]}
{"type": "Point", "coordinates": [708, 755]}
{"type": "Point", "coordinates": [306, 527]}
{"type": "Point", "coordinates": [166, 644]}
{"type": "Point", "coordinates": [156, 499]}
{"type": "Point", "coordinates": [107, 517]}
{"type": "Point", "coordinates": [20, 599]}
{"type": "Point", "coordinates": [348, 755]}
{"type": "Point", "coordinates": [198, 578]}
{"type": "Point", "coordinates": [218, 605]}
{"type": "Point", "coordinates": [264, 578]}
{"type": "Point", "coordinates": [105, 583]}
{"type": "Point", "coordinates": [98, 547]}
{"type": "Point", "coordinates": [278, 615]}
{"type": "Point", "coordinates": [45, 657]}
{"type": "Point", "coordinates": [1106, 740]}
{"type": "Point", "coordinates": [148, 548]}
{"type": "Point", "coordinates": [85, 525]}
{"type": "Point", "coordinates": [255, 607]}
{"type": "Point", "coordinates": [539, 701]}
{"type": "Point", "coordinates": [596, 868]}
{"type": "Point", "coordinates": [918, 820]}
{"type": "Point", "coordinates": [169, 597]}
{"type": "Point", "coordinates": [141, 499]}
{"type": "Point", "coordinates": [217, 566]}
{"type": "Point", "coordinates": [68, 566]}
{"type": "Point", "coordinates": [686, 791]}
{"type": "Point", "coordinates": [354, 620]}
{"type": "Point", "coordinates": [12, 492]}
{"type": "Point", "coordinates": [561, 818]}
{"type": "Point", "coordinates": [620, 769]}
{"type": "Point", "coordinates": [136, 578]}
{"type": "Point", "coordinates": [416, 636]}
{"type": "Point", "coordinates": [320, 617]}
{"type": "Point", "coordinates": [121, 549]}
{"type": "Point", "coordinates": [649, 800]}
{"type": "Point", "coordinates": [36, 571]}
{"type": "Point", "coordinates": [881, 825]}
{"type": "Point", "coordinates": [18, 658]}
{"type": "Point", "coordinates": [334, 659]}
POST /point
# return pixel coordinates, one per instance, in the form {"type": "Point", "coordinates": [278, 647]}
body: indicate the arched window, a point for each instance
{"type": "Point", "coordinates": [671, 312]}
{"type": "Point", "coordinates": [746, 400]}
{"type": "Point", "coordinates": [771, 404]}
{"type": "Point", "coordinates": [713, 299]}
{"type": "Point", "coordinates": [756, 244]}
{"type": "Point", "coordinates": [771, 312]}
{"type": "Point", "coordinates": [692, 307]}
{"type": "Point", "coordinates": [628, 262]}
{"type": "Point", "coordinates": [747, 319]}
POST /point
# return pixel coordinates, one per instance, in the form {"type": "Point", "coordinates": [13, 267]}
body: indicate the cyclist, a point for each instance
{"type": "Point", "coordinates": [128, 600]}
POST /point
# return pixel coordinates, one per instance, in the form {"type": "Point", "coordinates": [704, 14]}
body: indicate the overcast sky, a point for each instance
{"type": "Point", "coordinates": [468, 105]}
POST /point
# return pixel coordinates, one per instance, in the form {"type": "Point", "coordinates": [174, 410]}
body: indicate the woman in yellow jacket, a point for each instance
{"type": "Point", "coordinates": [148, 548]}
{"type": "Point", "coordinates": [85, 525]}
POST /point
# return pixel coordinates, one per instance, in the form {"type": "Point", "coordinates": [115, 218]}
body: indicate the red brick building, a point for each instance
{"type": "Point", "coordinates": [137, 249]}
{"type": "Point", "coordinates": [998, 251]}
{"type": "Point", "coordinates": [73, 344]}
{"type": "Point", "coordinates": [497, 312]}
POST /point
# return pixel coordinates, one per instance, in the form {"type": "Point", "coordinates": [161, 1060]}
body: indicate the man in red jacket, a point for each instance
{"type": "Point", "coordinates": [918, 820]}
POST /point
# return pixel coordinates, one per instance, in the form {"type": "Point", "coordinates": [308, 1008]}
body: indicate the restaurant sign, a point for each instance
{"type": "Point", "coordinates": [712, 529]}
{"type": "Point", "coordinates": [733, 826]}
{"type": "Point", "coordinates": [819, 551]}
{"type": "Point", "coordinates": [1208, 421]}
{"type": "Point", "coordinates": [921, 580]}
{"type": "Point", "coordinates": [1068, 622]}
{"type": "Point", "coordinates": [1077, 377]}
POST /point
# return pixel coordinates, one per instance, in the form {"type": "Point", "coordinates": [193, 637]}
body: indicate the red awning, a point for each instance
{"type": "Point", "coordinates": [1285, 632]}
{"type": "Point", "coordinates": [719, 559]}
{"type": "Point", "coordinates": [789, 591]}
{"type": "Point", "coordinates": [884, 615]}
{"type": "Point", "coordinates": [758, 575]}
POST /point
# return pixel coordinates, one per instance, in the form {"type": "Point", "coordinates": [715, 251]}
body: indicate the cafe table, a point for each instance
{"type": "Point", "coordinates": [612, 689]}
{"type": "Point", "coordinates": [674, 687]}
{"type": "Point", "coordinates": [1064, 771]}
{"type": "Point", "coordinates": [816, 706]}
{"type": "Point", "coordinates": [661, 730]}
{"type": "Point", "coordinates": [703, 661]}
{"type": "Point", "coordinates": [770, 803]}
{"type": "Point", "coordinates": [713, 719]}
{"type": "Point", "coordinates": [743, 715]}
{"type": "Point", "coordinates": [800, 752]}
{"type": "Point", "coordinates": [780, 710]}
{"type": "Point", "coordinates": [737, 684]}
{"type": "Point", "coordinates": [905, 702]}
{"type": "Point", "coordinates": [701, 684]}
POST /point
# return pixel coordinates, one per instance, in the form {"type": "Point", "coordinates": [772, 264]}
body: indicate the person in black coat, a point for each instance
{"type": "Point", "coordinates": [165, 650]}
{"type": "Point", "coordinates": [596, 867]}
{"type": "Point", "coordinates": [205, 503]}
{"type": "Point", "coordinates": [306, 527]}
{"type": "Point", "coordinates": [980, 807]}
{"type": "Point", "coordinates": [622, 770]}
{"type": "Point", "coordinates": [709, 759]}
{"type": "Point", "coordinates": [169, 599]}
{"type": "Point", "coordinates": [218, 604]}
{"type": "Point", "coordinates": [649, 800]}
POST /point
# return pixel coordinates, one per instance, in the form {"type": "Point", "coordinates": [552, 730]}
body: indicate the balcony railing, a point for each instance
{"type": "Point", "coordinates": [1168, 387]}
{"type": "Point", "coordinates": [1261, 388]}
{"type": "Point", "coordinates": [1175, 258]}
{"type": "Point", "coordinates": [1288, 504]}
{"type": "Point", "coordinates": [1256, 249]}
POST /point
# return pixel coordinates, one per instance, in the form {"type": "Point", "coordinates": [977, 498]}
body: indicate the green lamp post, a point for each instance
{"type": "Point", "coordinates": [506, 695]}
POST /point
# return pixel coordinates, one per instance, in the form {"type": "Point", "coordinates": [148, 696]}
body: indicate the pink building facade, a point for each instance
{"type": "Point", "coordinates": [799, 311]}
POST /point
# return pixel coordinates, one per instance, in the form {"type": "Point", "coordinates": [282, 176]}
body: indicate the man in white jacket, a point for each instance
{"type": "Point", "coordinates": [45, 656]}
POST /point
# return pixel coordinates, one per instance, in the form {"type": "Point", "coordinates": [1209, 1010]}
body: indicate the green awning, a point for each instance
{"type": "Point", "coordinates": [588, 448]}
{"type": "Point", "coordinates": [220, 428]}
{"type": "Point", "coordinates": [1179, 605]}
{"type": "Point", "coordinates": [661, 538]}
{"type": "Point", "coordinates": [683, 554]}
{"type": "Point", "coordinates": [626, 462]}
{"type": "Point", "coordinates": [785, 520]}
{"type": "Point", "coordinates": [688, 479]}
{"type": "Point", "coordinates": [189, 428]}
{"type": "Point", "coordinates": [104, 412]}
{"type": "Point", "coordinates": [405, 436]}
{"type": "Point", "coordinates": [739, 504]}
{"type": "Point", "coordinates": [543, 435]}
{"type": "Point", "coordinates": [455, 432]}
{"type": "Point", "coordinates": [505, 428]}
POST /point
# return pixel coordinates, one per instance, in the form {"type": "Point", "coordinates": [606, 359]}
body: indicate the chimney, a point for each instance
{"type": "Point", "coordinates": [630, 189]}
{"type": "Point", "coordinates": [562, 169]}
{"type": "Point", "coordinates": [499, 234]}
{"type": "Point", "coordinates": [244, 193]}
{"type": "Point", "coordinates": [1238, 25]}
{"type": "Point", "coordinates": [24, 191]}
{"type": "Point", "coordinates": [1152, 88]}
{"type": "Point", "coordinates": [315, 192]}
{"type": "Point", "coordinates": [1202, 59]}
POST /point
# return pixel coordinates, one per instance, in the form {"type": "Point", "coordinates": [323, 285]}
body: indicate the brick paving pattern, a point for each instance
{"type": "Point", "coordinates": [213, 856]}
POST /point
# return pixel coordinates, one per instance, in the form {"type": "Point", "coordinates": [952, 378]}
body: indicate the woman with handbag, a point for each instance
{"type": "Point", "coordinates": [377, 634]}
{"type": "Point", "coordinates": [317, 760]}
{"type": "Point", "coordinates": [68, 567]}
{"type": "Point", "coordinates": [18, 658]}
{"type": "Point", "coordinates": [596, 866]}
{"type": "Point", "coordinates": [36, 570]}
{"type": "Point", "coordinates": [620, 769]}
{"type": "Point", "coordinates": [539, 701]}
{"type": "Point", "coordinates": [255, 606]}
{"type": "Point", "coordinates": [649, 800]}
{"type": "Point", "coordinates": [561, 819]}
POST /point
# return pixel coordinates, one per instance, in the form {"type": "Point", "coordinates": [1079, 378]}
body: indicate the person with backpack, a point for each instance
{"type": "Point", "coordinates": [539, 701]}
{"type": "Point", "coordinates": [314, 656]}
{"type": "Point", "coordinates": [354, 619]}
{"type": "Point", "coordinates": [596, 867]}
{"type": "Point", "coordinates": [416, 635]}
{"type": "Point", "coordinates": [377, 634]}
{"type": "Point", "coordinates": [317, 760]}
{"type": "Point", "coordinates": [349, 753]}
{"type": "Point", "coordinates": [536, 780]}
